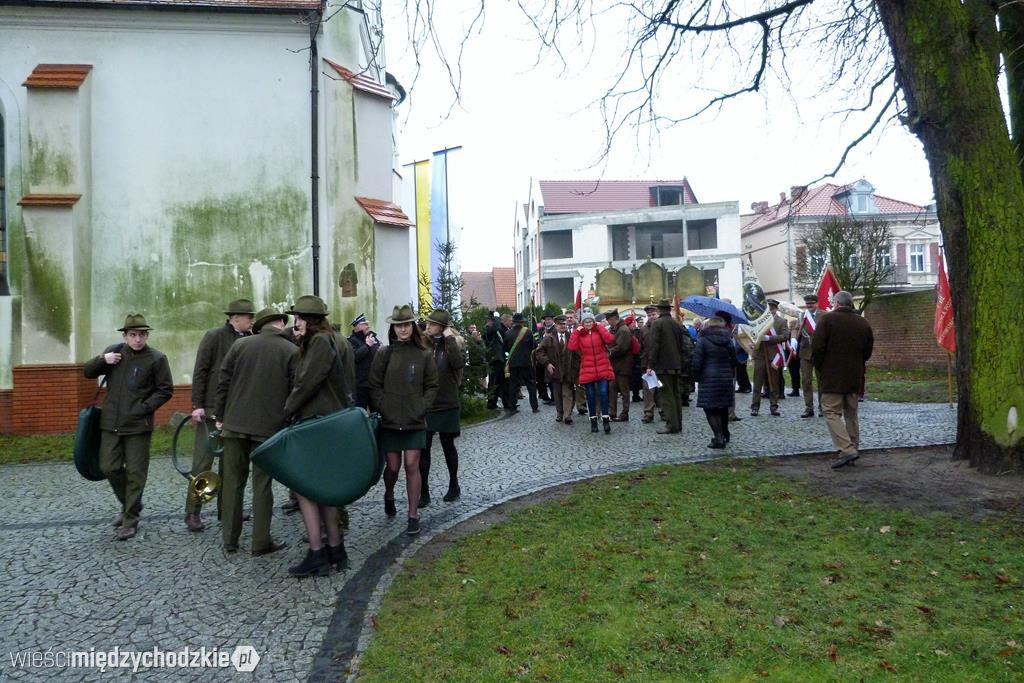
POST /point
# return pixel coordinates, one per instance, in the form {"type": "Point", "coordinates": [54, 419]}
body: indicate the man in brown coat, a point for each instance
{"type": "Point", "coordinates": [254, 382]}
{"type": "Point", "coordinates": [212, 350]}
{"type": "Point", "coordinates": [554, 354]}
{"type": "Point", "coordinates": [765, 373]}
{"type": "Point", "coordinates": [808, 324]}
{"type": "Point", "coordinates": [621, 356]}
{"type": "Point", "coordinates": [650, 395]}
{"type": "Point", "coordinates": [842, 344]}
{"type": "Point", "coordinates": [670, 351]}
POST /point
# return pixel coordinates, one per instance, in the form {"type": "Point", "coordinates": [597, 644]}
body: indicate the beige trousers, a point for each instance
{"type": "Point", "coordinates": [841, 418]}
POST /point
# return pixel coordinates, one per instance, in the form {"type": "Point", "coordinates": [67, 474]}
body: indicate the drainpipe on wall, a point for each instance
{"type": "Point", "coordinates": [314, 174]}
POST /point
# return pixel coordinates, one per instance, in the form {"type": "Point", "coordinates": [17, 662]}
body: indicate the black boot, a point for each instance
{"type": "Point", "coordinates": [424, 498]}
{"type": "Point", "coordinates": [607, 424]}
{"type": "Point", "coordinates": [316, 563]}
{"type": "Point", "coordinates": [337, 556]}
{"type": "Point", "coordinates": [389, 507]}
{"type": "Point", "coordinates": [593, 425]}
{"type": "Point", "coordinates": [454, 491]}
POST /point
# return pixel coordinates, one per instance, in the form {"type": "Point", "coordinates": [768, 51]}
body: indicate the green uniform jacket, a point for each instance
{"type": "Point", "coordinates": [403, 384]}
{"type": "Point", "coordinates": [255, 380]}
{"type": "Point", "coordinates": [559, 356]}
{"type": "Point", "coordinates": [136, 387]}
{"type": "Point", "coordinates": [212, 350]}
{"type": "Point", "coordinates": [449, 363]}
{"type": "Point", "coordinates": [670, 347]}
{"type": "Point", "coordinates": [645, 344]}
{"type": "Point", "coordinates": [325, 378]}
{"type": "Point", "coordinates": [621, 352]}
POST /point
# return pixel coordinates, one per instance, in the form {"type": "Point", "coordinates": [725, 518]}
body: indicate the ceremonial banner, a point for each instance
{"type": "Point", "coordinates": [422, 179]}
{"type": "Point", "coordinates": [579, 299]}
{"type": "Point", "coordinates": [828, 286]}
{"type": "Point", "coordinates": [945, 333]}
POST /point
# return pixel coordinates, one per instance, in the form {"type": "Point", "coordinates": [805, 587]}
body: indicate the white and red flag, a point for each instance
{"type": "Point", "coordinates": [828, 286]}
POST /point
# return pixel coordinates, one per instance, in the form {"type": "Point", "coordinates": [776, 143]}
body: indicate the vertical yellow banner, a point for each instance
{"type": "Point", "coordinates": [423, 235]}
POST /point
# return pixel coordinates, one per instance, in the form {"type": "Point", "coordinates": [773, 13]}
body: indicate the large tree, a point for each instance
{"type": "Point", "coordinates": [930, 64]}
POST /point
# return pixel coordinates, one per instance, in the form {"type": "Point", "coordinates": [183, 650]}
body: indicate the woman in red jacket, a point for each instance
{"type": "Point", "coordinates": [591, 342]}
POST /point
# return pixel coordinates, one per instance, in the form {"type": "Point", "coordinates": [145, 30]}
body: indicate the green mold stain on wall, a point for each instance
{"type": "Point", "coordinates": [354, 243]}
{"type": "Point", "coordinates": [47, 165]}
{"type": "Point", "coordinates": [50, 306]}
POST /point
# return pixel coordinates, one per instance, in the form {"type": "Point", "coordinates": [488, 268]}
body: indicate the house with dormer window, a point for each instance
{"type": "Point", "coordinates": [770, 235]}
{"type": "Point", "coordinates": [567, 231]}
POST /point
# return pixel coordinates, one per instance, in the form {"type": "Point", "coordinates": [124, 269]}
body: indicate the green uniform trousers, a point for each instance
{"type": "Point", "coordinates": [202, 461]}
{"type": "Point", "coordinates": [124, 461]}
{"type": "Point", "coordinates": [620, 386]}
{"type": "Point", "coordinates": [670, 400]}
{"type": "Point", "coordinates": [237, 449]}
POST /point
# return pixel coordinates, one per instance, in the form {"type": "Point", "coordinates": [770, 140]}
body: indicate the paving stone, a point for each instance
{"type": "Point", "coordinates": [66, 584]}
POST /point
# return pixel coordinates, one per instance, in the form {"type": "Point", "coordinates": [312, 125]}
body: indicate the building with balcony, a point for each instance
{"type": "Point", "coordinates": [771, 236]}
{"type": "Point", "coordinates": [569, 230]}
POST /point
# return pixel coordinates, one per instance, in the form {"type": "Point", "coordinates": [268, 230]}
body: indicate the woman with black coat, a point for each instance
{"type": "Point", "coordinates": [714, 367]}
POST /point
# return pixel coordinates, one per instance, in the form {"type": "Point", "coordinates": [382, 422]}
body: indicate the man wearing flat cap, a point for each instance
{"type": "Point", "coordinates": [210, 354]}
{"type": "Point", "coordinates": [650, 395]}
{"type": "Point", "coordinates": [808, 323]}
{"type": "Point", "coordinates": [365, 345]}
{"type": "Point", "coordinates": [138, 382]}
{"type": "Point", "coordinates": [254, 382]}
{"type": "Point", "coordinates": [557, 360]}
{"type": "Point", "coordinates": [669, 357]}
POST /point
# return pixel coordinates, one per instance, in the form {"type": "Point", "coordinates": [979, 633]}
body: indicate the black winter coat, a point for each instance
{"type": "Point", "coordinates": [714, 367]}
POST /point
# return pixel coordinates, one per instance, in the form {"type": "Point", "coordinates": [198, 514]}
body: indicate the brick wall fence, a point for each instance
{"type": "Point", "coordinates": [46, 399]}
{"type": "Point", "coordinates": [904, 331]}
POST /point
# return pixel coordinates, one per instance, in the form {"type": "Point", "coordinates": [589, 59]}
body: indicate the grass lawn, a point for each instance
{"type": "Point", "coordinates": [908, 386]}
{"type": "Point", "coordinates": [709, 573]}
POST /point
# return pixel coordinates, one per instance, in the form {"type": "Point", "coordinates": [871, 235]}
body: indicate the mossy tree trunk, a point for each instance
{"type": "Point", "coordinates": [944, 68]}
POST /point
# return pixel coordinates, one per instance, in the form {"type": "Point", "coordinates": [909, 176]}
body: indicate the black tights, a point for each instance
{"type": "Point", "coordinates": [451, 459]}
{"type": "Point", "coordinates": [718, 420]}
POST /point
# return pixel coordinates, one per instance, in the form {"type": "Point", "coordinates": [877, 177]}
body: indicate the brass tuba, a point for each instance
{"type": "Point", "coordinates": [205, 485]}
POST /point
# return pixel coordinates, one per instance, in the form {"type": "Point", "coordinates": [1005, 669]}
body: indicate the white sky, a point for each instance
{"type": "Point", "coordinates": [520, 120]}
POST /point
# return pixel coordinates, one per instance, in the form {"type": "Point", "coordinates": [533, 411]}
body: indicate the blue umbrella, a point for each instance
{"type": "Point", "coordinates": [708, 306]}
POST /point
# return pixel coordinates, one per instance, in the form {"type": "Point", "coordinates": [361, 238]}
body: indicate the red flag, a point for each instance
{"type": "Point", "coordinates": [944, 332]}
{"type": "Point", "coordinates": [579, 299]}
{"type": "Point", "coordinates": [827, 288]}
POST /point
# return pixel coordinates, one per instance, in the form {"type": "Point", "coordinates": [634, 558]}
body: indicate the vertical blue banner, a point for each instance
{"type": "Point", "coordinates": [438, 211]}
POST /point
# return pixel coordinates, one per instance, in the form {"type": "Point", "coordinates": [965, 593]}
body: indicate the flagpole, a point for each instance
{"type": "Point", "coordinates": [949, 375]}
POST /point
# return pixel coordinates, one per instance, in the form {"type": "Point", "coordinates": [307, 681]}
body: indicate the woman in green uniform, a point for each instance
{"type": "Point", "coordinates": [403, 384]}
{"type": "Point", "coordinates": [324, 382]}
{"type": "Point", "coordinates": [443, 416]}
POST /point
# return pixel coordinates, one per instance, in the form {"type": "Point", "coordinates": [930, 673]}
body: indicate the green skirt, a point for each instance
{"type": "Point", "coordinates": [444, 422]}
{"type": "Point", "coordinates": [394, 441]}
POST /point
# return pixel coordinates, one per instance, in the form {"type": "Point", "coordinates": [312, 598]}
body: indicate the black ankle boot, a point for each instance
{"type": "Point", "coordinates": [424, 499]}
{"type": "Point", "coordinates": [337, 556]}
{"type": "Point", "coordinates": [389, 507]}
{"type": "Point", "coordinates": [593, 424]}
{"type": "Point", "coordinates": [316, 563]}
{"type": "Point", "coordinates": [454, 491]}
{"type": "Point", "coordinates": [607, 424]}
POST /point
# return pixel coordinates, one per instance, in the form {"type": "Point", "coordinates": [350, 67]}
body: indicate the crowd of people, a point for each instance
{"type": "Point", "coordinates": [255, 375]}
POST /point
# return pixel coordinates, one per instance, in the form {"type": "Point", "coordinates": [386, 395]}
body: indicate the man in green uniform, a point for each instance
{"type": "Point", "coordinates": [255, 379]}
{"type": "Point", "coordinates": [209, 356]}
{"type": "Point", "coordinates": [621, 356]}
{"type": "Point", "coordinates": [669, 356]}
{"type": "Point", "coordinates": [138, 382]}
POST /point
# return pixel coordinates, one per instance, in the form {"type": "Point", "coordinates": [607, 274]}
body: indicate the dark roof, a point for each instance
{"type": "Point", "coordinates": [589, 196]}
{"type": "Point", "coordinates": [236, 5]}
{"type": "Point", "coordinates": [820, 201]}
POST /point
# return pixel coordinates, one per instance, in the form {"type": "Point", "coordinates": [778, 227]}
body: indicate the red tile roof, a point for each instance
{"type": "Point", "coordinates": [260, 5]}
{"type": "Point", "coordinates": [69, 76]}
{"type": "Point", "coordinates": [504, 287]}
{"type": "Point", "coordinates": [819, 201]}
{"type": "Point", "coordinates": [384, 212]}
{"type": "Point", "coordinates": [361, 81]}
{"type": "Point", "coordinates": [587, 196]}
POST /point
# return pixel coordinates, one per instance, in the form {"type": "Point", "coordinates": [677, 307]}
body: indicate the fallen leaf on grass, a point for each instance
{"type": "Point", "coordinates": [1003, 578]}
{"type": "Point", "coordinates": [942, 653]}
{"type": "Point", "coordinates": [832, 565]}
{"type": "Point", "coordinates": [885, 529]}
{"type": "Point", "coordinates": [877, 631]}
{"type": "Point", "coordinates": [522, 670]}
{"type": "Point", "coordinates": [703, 556]}
{"type": "Point", "coordinates": [833, 653]}
{"type": "Point", "coordinates": [502, 650]}
{"type": "Point", "coordinates": [648, 578]}
{"type": "Point", "coordinates": [374, 621]}
{"type": "Point", "coordinates": [897, 563]}
{"type": "Point", "coordinates": [780, 621]}
{"type": "Point", "coordinates": [837, 622]}
{"type": "Point", "coordinates": [1012, 643]}
{"type": "Point", "coordinates": [933, 573]}
{"type": "Point", "coordinates": [1006, 653]}
{"type": "Point", "coordinates": [971, 576]}
{"type": "Point", "coordinates": [617, 668]}
{"type": "Point", "coordinates": [583, 596]}
{"type": "Point", "coordinates": [887, 666]}
{"type": "Point", "coordinates": [925, 610]}
{"type": "Point", "coordinates": [987, 560]}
